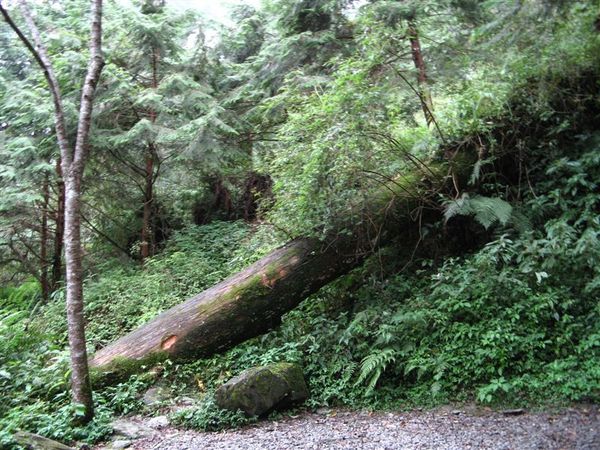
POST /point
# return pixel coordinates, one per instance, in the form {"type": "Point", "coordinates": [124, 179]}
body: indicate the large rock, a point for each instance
{"type": "Point", "coordinates": [260, 389]}
{"type": "Point", "coordinates": [36, 442]}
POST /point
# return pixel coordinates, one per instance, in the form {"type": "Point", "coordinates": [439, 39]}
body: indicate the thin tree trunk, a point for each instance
{"type": "Point", "coordinates": [59, 228]}
{"type": "Point", "coordinates": [72, 165]}
{"type": "Point", "coordinates": [73, 171]}
{"type": "Point", "coordinates": [417, 56]}
{"type": "Point", "coordinates": [147, 235]}
{"type": "Point", "coordinates": [82, 392]}
{"type": "Point", "coordinates": [44, 282]}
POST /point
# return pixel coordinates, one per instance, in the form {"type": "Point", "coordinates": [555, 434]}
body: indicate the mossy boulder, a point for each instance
{"type": "Point", "coordinates": [258, 390]}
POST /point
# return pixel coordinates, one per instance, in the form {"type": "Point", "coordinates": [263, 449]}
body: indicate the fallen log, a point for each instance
{"type": "Point", "coordinates": [243, 306]}
{"type": "Point", "coordinates": [252, 301]}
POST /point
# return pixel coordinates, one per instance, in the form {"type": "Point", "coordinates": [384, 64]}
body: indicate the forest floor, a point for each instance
{"type": "Point", "coordinates": [442, 428]}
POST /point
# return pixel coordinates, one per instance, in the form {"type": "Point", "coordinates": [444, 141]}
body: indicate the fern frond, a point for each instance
{"type": "Point", "coordinates": [373, 366]}
{"type": "Point", "coordinates": [488, 210]}
{"type": "Point", "coordinates": [485, 210]}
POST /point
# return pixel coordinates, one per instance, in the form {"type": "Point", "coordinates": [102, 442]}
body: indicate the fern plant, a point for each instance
{"type": "Point", "coordinates": [485, 210]}
{"type": "Point", "coordinates": [373, 366]}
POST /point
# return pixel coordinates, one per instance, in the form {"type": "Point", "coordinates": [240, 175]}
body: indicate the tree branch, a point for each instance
{"type": "Point", "coordinates": [104, 236]}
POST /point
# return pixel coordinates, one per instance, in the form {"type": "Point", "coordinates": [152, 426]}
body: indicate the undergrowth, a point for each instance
{"type": "Point", "coordinates": [516, 323]}
{"type": "Point", "coordinates": [34, 362]}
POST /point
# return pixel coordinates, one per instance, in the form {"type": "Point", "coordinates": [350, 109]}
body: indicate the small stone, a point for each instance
{"type": "Point", "coordinates": [158, 422]}
{"type": "Point", "coordinates": [457, 412]}
{"type": "Point", "coordinates": [120, 444]}
{"type": "Point", "coordinates": [185, 401]}
{"type": "Point", "coordinates": [129, 429]}
{"type": "Point", "coordinates": [513, 412]}
{"type": "Point", "coordinates": [155, 395]}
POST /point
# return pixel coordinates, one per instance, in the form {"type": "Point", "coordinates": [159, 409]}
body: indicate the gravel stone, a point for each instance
{"type": "Point", "coordinates": [475, 428]}
{"type": "Point", "coordinates": [156, 395]}
{"type": "Point", "coordinates": [159, 422]}
{"type": "Point", "coordinates": [131, 428]}
{"type": "Point", "coordinates": [120, 444]}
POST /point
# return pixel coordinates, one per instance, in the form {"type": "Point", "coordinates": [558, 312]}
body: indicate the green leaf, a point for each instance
{"type": "Point", "coordinates": [486, 210]}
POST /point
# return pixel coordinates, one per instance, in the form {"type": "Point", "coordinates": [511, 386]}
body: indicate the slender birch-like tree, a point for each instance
{"type": "Point", "coordinates": [73, 156]}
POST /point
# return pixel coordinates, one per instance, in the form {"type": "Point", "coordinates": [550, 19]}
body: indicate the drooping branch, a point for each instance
{"type": "Point", "coordinates": [103, 235]}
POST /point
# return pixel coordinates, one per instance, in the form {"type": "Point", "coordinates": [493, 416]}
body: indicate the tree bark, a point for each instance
{"type": "Point", "coordinates": [59, 228]}
{"type": "Point", "coordinates": [80, 381]}
{"type": "Point", "coordinates": [72, 168]}
{"type": "Point", "coordinates": [419, 62]}
{"type": "Point", "coordinates": [147, 235]}
{"type": "Point", "coordinates": [44, 282]}
{"type": "Point", "coordinates": [146, 246]}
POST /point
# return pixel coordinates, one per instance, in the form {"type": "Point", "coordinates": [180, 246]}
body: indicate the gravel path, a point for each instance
{"type": "Point", "coordinates": [444, 428]}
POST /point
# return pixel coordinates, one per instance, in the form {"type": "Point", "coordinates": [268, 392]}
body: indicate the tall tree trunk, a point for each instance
{"type": "Point", "coordinates": [44, 242]}
{"type": "Point", "coordinates": [419, 62]}
{"type": "Point", "coordinates": [59, 228]}
{"type": "Point", "coordinates": [82, 391]}
{"type": "Point", "coordinates": [147, 235]}
{"type": "Point", "coordinates": [146, 248]}
{"type": "Point", "coordinates": [73, 171]}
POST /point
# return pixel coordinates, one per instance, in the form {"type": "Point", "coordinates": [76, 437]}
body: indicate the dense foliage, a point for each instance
{"type": "Point", "coordinates": [214, 153]}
